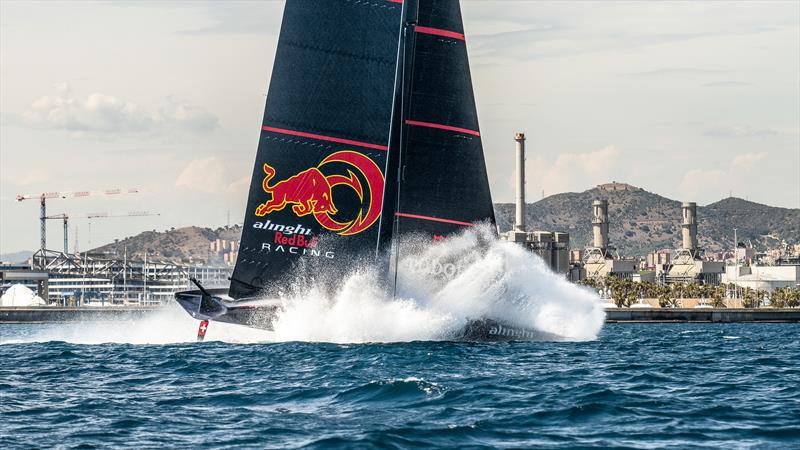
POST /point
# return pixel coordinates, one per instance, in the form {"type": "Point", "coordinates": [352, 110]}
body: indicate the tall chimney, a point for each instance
{"type": "Point", "coordinates": [689, 225]}
{"type": "Point", "coordinates": [600, 223]}
{"type": "Point", "coordinates": [519, 223]}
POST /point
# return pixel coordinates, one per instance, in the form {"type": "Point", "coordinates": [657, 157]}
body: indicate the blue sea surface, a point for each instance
{"type": "Point", "coordinates": [636, 386]}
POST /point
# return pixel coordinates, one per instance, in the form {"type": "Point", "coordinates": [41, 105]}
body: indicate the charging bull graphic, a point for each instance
{"type": "Point", "coordinates": [310, 192]}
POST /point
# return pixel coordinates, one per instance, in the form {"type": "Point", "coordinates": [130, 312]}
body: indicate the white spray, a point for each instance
{"type": "Point", "coordinates": [439, 288]}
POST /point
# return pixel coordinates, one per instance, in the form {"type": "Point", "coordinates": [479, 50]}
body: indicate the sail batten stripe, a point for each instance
{"type": "Point", "coordinates": [325, 138]}
{"type": "Point", "coordinates": [442, 127]}
{"type": "Point", "coordinates": [439, 32]}
{"type": "Point", "coordinates": [433, 219]}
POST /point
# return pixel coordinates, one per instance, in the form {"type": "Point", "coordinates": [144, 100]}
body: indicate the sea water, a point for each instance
{"type": "Point", "coordinates": [635, 386]}
{"type": "Point", "coordinates": [358, 367]}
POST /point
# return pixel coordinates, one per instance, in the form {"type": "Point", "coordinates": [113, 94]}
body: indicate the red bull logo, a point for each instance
{"type": "Point", "coordinates": [310, 192]}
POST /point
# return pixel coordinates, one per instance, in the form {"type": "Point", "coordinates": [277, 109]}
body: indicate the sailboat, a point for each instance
{"type": "Point", "coordinates": [370, 133]}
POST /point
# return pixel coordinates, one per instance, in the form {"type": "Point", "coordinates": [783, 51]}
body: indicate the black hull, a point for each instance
{"type": "Point", "coordinates": [261, 314]}
{"type": "Point", "coordinates": [254, 314]}
{"type": "Point", "coordinates": [489, 330]}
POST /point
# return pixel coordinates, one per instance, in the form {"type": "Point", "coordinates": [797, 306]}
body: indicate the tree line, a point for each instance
{"type": "Point", "coordinates": [626, 292]}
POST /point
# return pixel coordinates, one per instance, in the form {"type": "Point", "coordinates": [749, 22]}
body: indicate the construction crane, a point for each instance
{"type": "Point", "coordinates": [51, 195]}
{"type": "Point", "coordinates": [65, 218]}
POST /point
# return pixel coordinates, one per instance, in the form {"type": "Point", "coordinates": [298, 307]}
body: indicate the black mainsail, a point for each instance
{"type": "Point", "coordinates": [370, 133]}
{"type": "Point", "coordinates": [324, 141]}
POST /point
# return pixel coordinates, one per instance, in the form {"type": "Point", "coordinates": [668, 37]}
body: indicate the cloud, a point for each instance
{"type": "Point", "coordinates": [698, 182]}
{"type": "Point", "coordinates": [204, 175]}
{"type": "Point", "coordinates": [210, 175]}
{"type": "Point", "coordinates": [747, 160]}
{"type": "Point", "coordinates": [240, 186]}
{"type": "Point", "coordinates": [572, 171]}
{"type": "Point", "coordinates": [105, 115]}
{"type": "Point", "coordinates": [740, 131]}
{"type": "Point", "coordinates": [188, 117]}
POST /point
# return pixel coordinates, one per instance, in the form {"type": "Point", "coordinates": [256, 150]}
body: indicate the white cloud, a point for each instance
{"type": "Point", "coordinates": [572, 171]}
{"type": "Point", "coordinates": [698, 182]}
{"type": "Point", "coordinates": [204, 175]}
{"type": "Point", "coordinates": [747, 160]}
{"type": "Point", "coordinates": [240, 186]}
{"type": "Point", "coordinates": [106, 115]}
{"type": "Point", "coordinates": [211, 175]}
{"type": "Point", "coordinates": [187, 116]}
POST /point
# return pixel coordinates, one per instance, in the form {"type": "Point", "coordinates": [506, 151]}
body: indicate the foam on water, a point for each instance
{"type": "Point", "coordinates": [168, 326]}
{"type": "Point", "coordinates": [442, 286]}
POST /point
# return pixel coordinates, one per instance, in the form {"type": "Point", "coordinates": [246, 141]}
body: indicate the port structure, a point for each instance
{"type": "Point", "coordinates": [75, 279]}
{"type": "Point", "coordinates": [44, 196]}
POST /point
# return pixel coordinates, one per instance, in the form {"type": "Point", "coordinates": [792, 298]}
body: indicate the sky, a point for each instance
{"type": "Point", "coordinates": [695, 101]}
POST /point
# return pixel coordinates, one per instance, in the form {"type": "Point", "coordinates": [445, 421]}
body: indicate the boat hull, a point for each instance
{"type": "Point", "coordinates": [261, 314]}
{"type": "Point", "coordinates": [255, 313]}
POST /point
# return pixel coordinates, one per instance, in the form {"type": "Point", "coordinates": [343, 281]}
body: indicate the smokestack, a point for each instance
{"type": "Point", "coordinates": [689, 226]}
{"type": "Point", "coordinates": [600, 223]}
{"type": "Point", "coordinates": [519, 224]}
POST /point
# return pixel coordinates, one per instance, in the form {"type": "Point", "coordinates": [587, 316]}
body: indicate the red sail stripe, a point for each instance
{"type": "Point", "coordinates": [439, 32]}
{"type": "Point", "coordinates": [442, 127]}
{"type": "Point", "coordinates": [433, 219]}
{"type": "Point", "coordinates": [395, 1]}
{"type": "Point", "coordinates": [325, 138]}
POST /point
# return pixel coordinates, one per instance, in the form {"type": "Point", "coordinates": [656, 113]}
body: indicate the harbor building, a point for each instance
{"type": "Point", "coordinates": [21, 274]}
{"type": "Point", "coordinates": [78, 279]}
{"type": "Point", "coordinates": [765, 278]}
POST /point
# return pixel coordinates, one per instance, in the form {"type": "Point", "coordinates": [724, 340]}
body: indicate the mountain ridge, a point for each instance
{"type": "Point", "coordinates": [641, 221]}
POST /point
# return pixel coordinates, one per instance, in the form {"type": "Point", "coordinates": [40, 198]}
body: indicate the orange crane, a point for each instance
{"type": "Point", "coordinates": [50, 195]}
{"type": "Point", "coordinates": [65, 218]}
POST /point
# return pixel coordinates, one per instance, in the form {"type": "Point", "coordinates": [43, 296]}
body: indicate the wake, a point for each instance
{"type": "Point", "coordinates": [440, 287]}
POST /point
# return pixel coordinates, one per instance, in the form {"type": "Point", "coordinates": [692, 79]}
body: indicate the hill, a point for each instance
{"type": "Point", "coordinates": [642, 221]}
{"type": "Point", "coordinates": [176, 244]}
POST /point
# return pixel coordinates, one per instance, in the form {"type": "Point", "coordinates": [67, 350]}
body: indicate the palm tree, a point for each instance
{"type": "Point", "coordinates": [750, 298]}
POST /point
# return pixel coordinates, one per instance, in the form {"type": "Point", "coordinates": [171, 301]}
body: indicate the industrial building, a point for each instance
{"type": "Point", "coordinates": [765, 278]}
{"type": "Point", "coordinates": [688, 265]}
{"type": "Point", "coordinates": [552, 247]}
{"type": "Point", "coordinates": [600, 259]}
